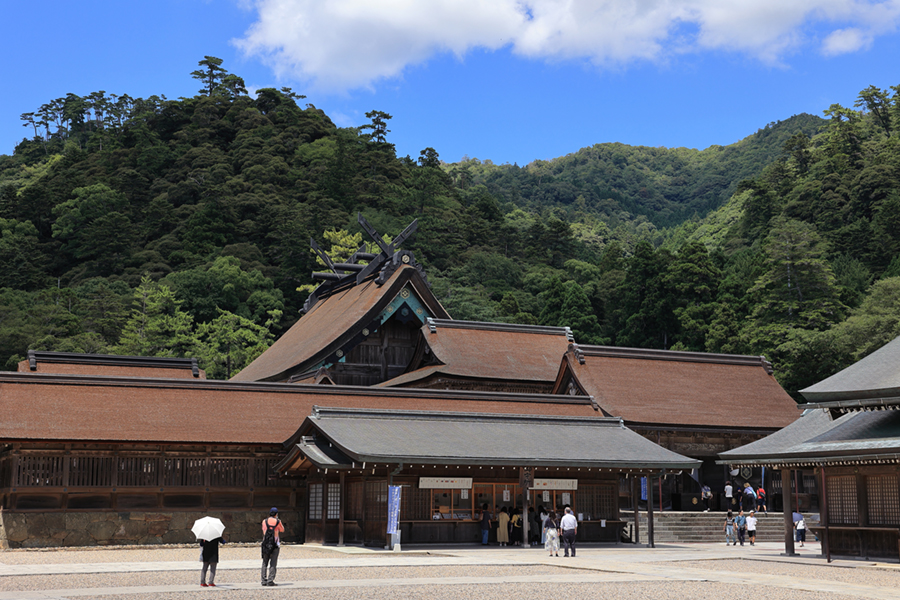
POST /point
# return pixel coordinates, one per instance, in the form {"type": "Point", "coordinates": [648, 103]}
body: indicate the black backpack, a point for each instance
{"type": "Point", "coordinates": [268, 543]}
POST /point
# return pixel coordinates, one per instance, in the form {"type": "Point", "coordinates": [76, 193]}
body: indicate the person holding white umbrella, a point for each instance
{"type": "Point", "coordinates": [209, 532]}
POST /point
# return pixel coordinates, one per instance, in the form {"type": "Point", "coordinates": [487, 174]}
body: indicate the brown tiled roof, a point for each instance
{"type": "Point", "coordinates": [69, 363]}
{"type": "Point", "coordinates": [680, 388]}
{"type": "Point", "coordinates": [478, 350]}
{"type": "Point", "coordinates": [114, 409]}
{"type": "Point", "coordinates": [411, 377]}
{"type": "Point", "coordinates": [332, 323]}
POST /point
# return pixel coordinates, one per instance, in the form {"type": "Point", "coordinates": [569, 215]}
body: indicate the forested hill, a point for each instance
{"type": "Point", "coordinates": [181, 227]}
{"type": "Point", "coordinates": [667, 186]}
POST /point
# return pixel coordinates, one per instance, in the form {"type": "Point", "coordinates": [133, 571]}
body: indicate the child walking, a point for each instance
{"type": "Point", "coordinates": [728, 528]}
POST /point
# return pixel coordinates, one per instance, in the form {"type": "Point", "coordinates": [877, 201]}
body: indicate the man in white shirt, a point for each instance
{"type": "Point", "coordinates": [751, 527]}
{"type": "Point", "coordinates": [729, 495]}
{"type": "Point", "coordinates": [569, 526]}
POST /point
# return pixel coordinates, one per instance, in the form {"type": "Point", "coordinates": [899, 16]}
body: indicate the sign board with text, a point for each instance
{"type": "Point", "coordinates": [445, 483]}
{"type": "Point", "coordinates": [555, 484]}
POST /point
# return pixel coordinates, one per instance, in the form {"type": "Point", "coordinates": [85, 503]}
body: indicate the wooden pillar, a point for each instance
{"type": "Point", "coordinates": [650, 512]}
{"type": "Point", "coordinates": [342, 496]}
{"type": "Point", "coordinates": [823, 511]}
{"type": "Point", "coordinates": [305, 508]}
{"type": "Point", "coordinates": [788, 511]}
{"type": "Point", "coordinates": [365, 505]}
{"type": "Point", "coordinates": [635, 499]}
{"type": "Point", "coordinates": [324, 506]}
{"type": "Point", "coordinates": [526, 481]}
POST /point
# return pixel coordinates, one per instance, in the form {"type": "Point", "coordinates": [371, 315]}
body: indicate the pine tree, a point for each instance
{"type": "Point", "coordinates": [157, 326]}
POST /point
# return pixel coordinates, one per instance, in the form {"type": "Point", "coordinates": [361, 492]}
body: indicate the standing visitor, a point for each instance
{"type": "Point", "coordinates": [534, 526]}
{"type": "Point", "coordinates": [503, 527]}
{"type": "Point", "coordinates": [800, 527]}
{"type": "Point", "coordinates": [551, 534]}
{"type": "Point", "coordinates": [515, 527]}
{"type": "Point", "coordinates": [748, 501]}
{"type": "Point", "coordinates": [751, 527]}
{"type": "Point", "coordinates": [706, 496]}
{"type": "Point", "coordinates": [740, 524]}
{"type": "Point", "coordinates": [543, 517]}
{"type": "Point", "coordinates": [485, 524]}
{"type": "Point", "coordinates": [569, 526]}
{"type": "Point", "coordinates": [271, 546]}
{"type": "Point", "coordinates": [729, 495]}
{"type": "Point", "coordinates": [209, 554]}
{"type": "Point", "coordinates": [761, 500]}
{"type": "Point", "coordinates": [728, 528]}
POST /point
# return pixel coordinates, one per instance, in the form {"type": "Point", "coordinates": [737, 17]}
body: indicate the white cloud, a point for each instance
{"type": "Point", "coordinates": [343, 44]}
{"type": "Point", "coordinates": [844, 41]}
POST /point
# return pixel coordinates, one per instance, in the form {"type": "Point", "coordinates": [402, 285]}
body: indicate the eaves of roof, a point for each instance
{"type": "Point", "coordinates": [487, 439]}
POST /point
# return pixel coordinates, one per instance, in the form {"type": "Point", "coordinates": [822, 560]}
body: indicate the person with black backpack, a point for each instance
{"type": "Point", "coordinates": [271, 545]}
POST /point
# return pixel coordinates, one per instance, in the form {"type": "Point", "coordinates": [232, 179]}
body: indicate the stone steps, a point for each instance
{"type": "Point", "coordinates": [671, 526]}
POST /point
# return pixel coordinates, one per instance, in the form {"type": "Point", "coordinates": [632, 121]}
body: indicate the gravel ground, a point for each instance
{"type": "Point", "coordinates": [99, 580]}
{"type": "Point", "coordinates": [887, 577]}
{"type": "Point", "coordinates": [55, 556]}
{"type": "Point", "coordinates": [512, 591]}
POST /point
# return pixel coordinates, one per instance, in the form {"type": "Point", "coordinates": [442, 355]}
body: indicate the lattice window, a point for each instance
{"type": "Point", "coordinates": [596, 502]}
{"type": "Point", "coordinates": [315, 501]}
{"type": "Point", "coordinates": [376, 500]}
{"type": "Point", "coordinates": [39, 471]}
{"type": "Point", "coordinates": [883, 499]}
{"type": "Point", "coordinates": [842, 501]}
{"type": "Point", "coordinates": [136, 471]}
{"type": "Point", "coordinates": [334, 501]}
{"type": "Point", "coordinates": [228, 472]}
{"type": "Point", "coordinates": [91, 471]}
{"type": "Point", "coordinates": [184, 471]}
{"type": "Point", "coordinates": [415, 504]}
{"type": "Point", "coordinates": [809, 484]}
{"type": "Point", "coordinates": [354, 509]}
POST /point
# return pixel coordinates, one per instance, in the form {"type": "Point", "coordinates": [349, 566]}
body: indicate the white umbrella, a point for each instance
{"type": "Point", "coordinates": [208, 528]}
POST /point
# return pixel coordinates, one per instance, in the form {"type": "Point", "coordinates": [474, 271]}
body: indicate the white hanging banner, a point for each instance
{"type": "Point", "coordinates": [546, 496]}
{"type": "Point", "coordinates": [506, 495]}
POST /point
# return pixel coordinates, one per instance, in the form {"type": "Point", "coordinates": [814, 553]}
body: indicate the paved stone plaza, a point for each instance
{"type": "Point", "coordinates": [703, 571]}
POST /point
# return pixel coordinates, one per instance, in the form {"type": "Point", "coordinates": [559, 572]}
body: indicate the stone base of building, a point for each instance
{"type": "Point", "coordinates": [54, 529]}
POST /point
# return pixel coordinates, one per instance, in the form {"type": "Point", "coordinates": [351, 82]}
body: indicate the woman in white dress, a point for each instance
{"type": "Point", "coordinates": [551, 534]}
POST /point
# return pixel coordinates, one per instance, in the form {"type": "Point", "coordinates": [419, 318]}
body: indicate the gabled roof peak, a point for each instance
{"type": "Point", "coordinates": [378, 266]}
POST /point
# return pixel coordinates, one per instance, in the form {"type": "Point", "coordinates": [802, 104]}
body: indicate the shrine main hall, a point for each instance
{"type": "Point", "coordinates": [376, 385]}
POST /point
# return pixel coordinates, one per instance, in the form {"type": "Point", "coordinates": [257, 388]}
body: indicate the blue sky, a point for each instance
{"type": "Point", "coordinates": [506, 80]}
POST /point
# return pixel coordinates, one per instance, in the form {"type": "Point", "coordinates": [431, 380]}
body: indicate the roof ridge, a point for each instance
{"type": "Point", "coordinates": [165, 362]}
{"type": "Point", "coordinates": [375, 413]}
{"type": "Point", "coordinates": [433, 324]}
{"type": "Point", "coordinates": [296, 388]}
{"type": "Point", "coordinates": [673, 355]}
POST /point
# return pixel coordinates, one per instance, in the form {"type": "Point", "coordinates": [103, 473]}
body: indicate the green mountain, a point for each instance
{"type": "Point", "coordinates": [667, 186]}
{"type": "Point", "coordinates": [182, 227]}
